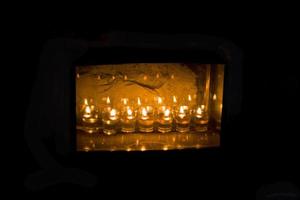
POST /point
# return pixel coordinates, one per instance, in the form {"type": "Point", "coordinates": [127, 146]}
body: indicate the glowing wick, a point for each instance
{"type": "Point", "coordinates": [107, 100]}
{"type": "Point", "coordinates": [159, 100]}
{"type": "Point", "coordinates": [181, 112]}
{"type": "Point", "coordinates": [190, 97]}
{"type": "Point", "coordinates": [174, 99]}
{"type": "Point", "coordinates": [144, 113]}
{"type": "Point", "coordinates": [167, 114]}
{"type": "Point", "coordinates": [86, 102]}
{"type": "Point", "coordinates": [214, 97]}
{"type": "Point", "coordinates": [113, 114]}
{"type": "Point", "coordinates": [199, 111]}
{"type": "Point", "coordinates": [87, 111]}
{"type": "Point", "coordinates": [125, 101]}
{"type": "Point", "coordinates": [129, 113]}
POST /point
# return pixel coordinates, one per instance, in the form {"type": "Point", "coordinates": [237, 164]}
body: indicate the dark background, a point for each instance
{"type": "Point", "coordinates": [264, 149]}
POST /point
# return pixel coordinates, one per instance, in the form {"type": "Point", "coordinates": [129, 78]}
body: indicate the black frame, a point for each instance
{"type": "Point", "coordinates": [54, 94]}
{"type": "Point", "coordinates": [133, 51]}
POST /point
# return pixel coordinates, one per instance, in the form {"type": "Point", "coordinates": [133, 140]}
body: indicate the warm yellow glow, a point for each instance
{"type": "Point", "coordinates": [214, 97]}
{"type": "Point", "coordinates": [78, 76]}
{"type": "Point", "coordinates": [221, 106]}
{"type": "Point", "coordinates": [172, 76]}
{"type": "Point", "coordinates": [86, 102]}
{"type": "Point", "coordinates": [98, 77]}
{"type": "Point", "coordinates": [199, 111]}
{"type": "Point", "coordinates": [87, 110]}
{"type": "Point", "coordinates": [113, 77]}
{"type": "Point", "coordinates": [125, 101]}
{"type": "Point", "coordinates": [139, 101]}
{"type": "Point", "coordinates": [128, 149]}
{"type": "Point", "coordinates": [129, 112]}
{"type": "Point", "coordinates": [92, 107]}
{"type": "Point", "coordinates": [167, 113]}
{"type": "Point", "coordinates": [190, 97]}
{"type": "Point", "coordinates": [157, 75]}
{"type": "Point", "coordinates": [107, 100]}
{"type": "Point", "coordinates": [174, 99]}
{"type": "Point", "coordinates": [202, 107]}
{"type": "Point", "coordinates": [143, 148]}
{"type": "Point", "coordinates": [144, 112]}
{"type": "Point", "coordinates": [125, 77]}
{"type": "Point", "coordinates": [165, 148]}
{"type": "Point", "coordinates": [145, 78]}
{"type": "Point", "coordinates": [159, 100]}
{"type": "Point", "coordinates": [181, 112]}
{"type": "Point", "coordinates": [113, 114]}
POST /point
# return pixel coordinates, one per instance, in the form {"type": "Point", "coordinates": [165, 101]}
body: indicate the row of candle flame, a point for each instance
{"type": "Point", "coordinates": [145, 116]}
{"type": "Point", "coordinates": [167, 110]}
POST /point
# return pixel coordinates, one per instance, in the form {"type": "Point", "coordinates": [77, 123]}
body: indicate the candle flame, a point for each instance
{"type": "Point", "coordinates": [159, 100]}
{"type": "Point", "coordinates": [202, 107]}
{"type": "Point", "coordinates": [157, 75]}
{"type": "Point", "coordinates": [113, 77]}
{"type": "Point", "coordinates": [181, 110]}
{"type": "Point", "coordinates": [145, 78]}
{"type": "Point", "coordinates": [113, 112]}
{"type": "Point", "coordinates": [214, 97]}
{"type": "Point", "coordinates": [144, 112]}
{"type": "Point", "coordinates": [125, 77]}
{"type": "Point", "coordinates": [139, 101]}
{"type": "Point", "coordinates": [199, 111]}
{"type": "Point", "coordinates": [174, 99]}
{"type": "Point", "coordinates": [167, 113]}
{"type": "Point", "coordinates": [86, 102]}
{"type": "Point", "coordinates": [107, 100]}
{"type": "Point", "coordinates": [129, 112]}
{"type": "Point", "coordinates": [78, 76]}
{"type": "Point", "coordinates": [87, 110]}
{"type": "Point", "coordinates": [125, 101]}
{"type": "Point", "coordinates": [190, 97]}
{"type": "Point", "coordinates": [172, 76]}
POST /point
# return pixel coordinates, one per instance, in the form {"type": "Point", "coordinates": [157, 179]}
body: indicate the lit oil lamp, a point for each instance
{"type": "Point", "coordinates": [200, 118]}
{"type": "Point", "coordinates": [90, 117]}
{"type": "Point", "coordinates": [145, 119]}
{"type": "Point", "coordinates": [182, 119]}
{"type": "Point", "coordinates": [110, 120]}
{"type": "Point", "coordinates": [164, 119]}
{"type": "Point", "coordinates": [128, 120]}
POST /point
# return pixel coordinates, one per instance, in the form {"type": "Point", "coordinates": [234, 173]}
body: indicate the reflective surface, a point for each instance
{"type": "Point", "coordinates": [144, 142]}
